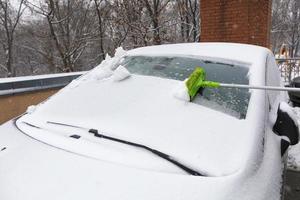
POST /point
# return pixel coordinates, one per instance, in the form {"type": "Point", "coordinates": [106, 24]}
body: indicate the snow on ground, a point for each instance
{"type": "Point", "coordinates": [294, 151]}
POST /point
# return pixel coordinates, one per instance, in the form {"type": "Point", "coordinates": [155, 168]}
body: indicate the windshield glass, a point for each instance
{"type": "Point", "coordinates": [232, 101]}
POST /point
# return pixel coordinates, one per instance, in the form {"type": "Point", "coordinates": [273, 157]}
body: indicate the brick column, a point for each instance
{"type": "Point", "coordinates": [242, 21]}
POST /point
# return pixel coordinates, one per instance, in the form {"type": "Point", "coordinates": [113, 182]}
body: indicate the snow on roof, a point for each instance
{"type": "Point", "coordinates": [228, 51]}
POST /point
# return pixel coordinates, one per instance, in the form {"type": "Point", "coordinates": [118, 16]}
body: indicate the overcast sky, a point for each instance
{"type": "Point", "coordinates": [27, 14]}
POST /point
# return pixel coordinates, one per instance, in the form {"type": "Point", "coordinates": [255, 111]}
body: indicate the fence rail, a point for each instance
{"type": "Point", "coordinates": [10, 86]}
{"type": "Point", "coordinates": [289, 68]}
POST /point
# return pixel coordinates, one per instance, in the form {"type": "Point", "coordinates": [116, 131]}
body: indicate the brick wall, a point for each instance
{"type": "Point", "coordinates": [243, 21]}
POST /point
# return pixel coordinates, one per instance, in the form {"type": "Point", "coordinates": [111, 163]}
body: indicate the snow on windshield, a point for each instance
{"type": "Point", "coordinates": [232, 101]}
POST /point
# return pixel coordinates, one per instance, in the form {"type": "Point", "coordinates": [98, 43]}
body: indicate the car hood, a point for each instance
{"type": "Point", "coordinates": [31, 170]}
{"type": "Point", "coordinates": [141, 109]}
{"type": "Point", "coordinates": [40, 161]}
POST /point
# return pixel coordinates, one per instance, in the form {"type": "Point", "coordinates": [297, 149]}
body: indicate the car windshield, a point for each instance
{"type": "Point", "coordinates": [232, 101]}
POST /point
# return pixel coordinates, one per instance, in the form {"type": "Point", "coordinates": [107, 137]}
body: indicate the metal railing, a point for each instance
{"type": "Point", "coordinates": [10, 86]}
{"type": "Point", "coordinates": [289, 68]}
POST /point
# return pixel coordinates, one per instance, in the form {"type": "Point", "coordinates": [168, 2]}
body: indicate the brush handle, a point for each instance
{"type": "Point", "coordinates": [291, 89]}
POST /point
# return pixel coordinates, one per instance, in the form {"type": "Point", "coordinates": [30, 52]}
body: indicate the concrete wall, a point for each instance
{"type": "Point", "coordinates": [14, 105]}
{"type": "Point", "coordinates": [16, 94]}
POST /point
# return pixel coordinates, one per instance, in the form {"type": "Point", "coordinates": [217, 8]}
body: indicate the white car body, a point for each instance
{"type": "Point", "coordinates": [240, 158]}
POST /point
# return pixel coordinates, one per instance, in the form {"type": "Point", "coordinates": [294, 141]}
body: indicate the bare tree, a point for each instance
{"type": "Point", "coordinates": [9, 20]}
{"type": "Point", "coordinates": [286, 25]}
{"type": "Point", "coordinates": [38, 50]}
{"type": "Point", "coordinates": [194, 8]}
{"type": "Point", "coordinates": [155, 9]}
{"type": "Point", "coordinates": [102, 12]}
{"type": "Point", "coordinates": [189, 19]}
{"type": "Point", "coordinates": [69, 35]}
{"type": "Point", "coordinates": [131, 16]}
{"type": "Point", "coordinates": [294, 36]}
{"type": "Point", "coordinates": [71, 28]}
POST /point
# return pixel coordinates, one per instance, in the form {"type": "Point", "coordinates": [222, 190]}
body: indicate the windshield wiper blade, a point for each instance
{"type": "Point", "coordinates": [154, 151]}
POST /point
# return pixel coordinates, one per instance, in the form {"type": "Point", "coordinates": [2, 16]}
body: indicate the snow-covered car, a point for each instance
{"type": "Point", "coordinates": [123, 131]}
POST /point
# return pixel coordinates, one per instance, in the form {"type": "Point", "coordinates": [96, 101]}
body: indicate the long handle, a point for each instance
{"type": "Point", "coordinates": [259, 87]}
{"type": "Point", "coordinates": [196, 81]}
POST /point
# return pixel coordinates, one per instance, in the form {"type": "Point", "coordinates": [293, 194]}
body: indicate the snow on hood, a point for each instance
{"type": "Point", "coordinates": [142, 109]}
{"type": "Point", "coordinates": [31, 170]}
{"type": "Point", "coordinates": [121, 73]}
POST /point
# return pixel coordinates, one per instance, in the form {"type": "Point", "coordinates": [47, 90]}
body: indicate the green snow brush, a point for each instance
{"type": "Point", "coordinates": [196, 82]}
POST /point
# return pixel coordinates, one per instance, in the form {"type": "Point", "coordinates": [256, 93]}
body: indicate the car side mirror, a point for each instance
{"type": "Point", "coordinates": [286, 125]}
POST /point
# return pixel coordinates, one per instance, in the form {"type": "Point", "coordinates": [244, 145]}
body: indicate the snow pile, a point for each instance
{"type": "Point", "coordinates": [106, 69]}
{"type": "Point", "coordinates": [181, 92]}
{"type": "Point", "coordinates": [101, 73]}
{"type": "Point", "coordinates": [292, 113]}
{"type": "Point", "coordinates": [294, 151]}
{"type": "Point", "coordinates": [120, 52]}
{"type": "Point", "coordinates": [120, 73]}
{"type": "Point", "coordinates": [31, 109]}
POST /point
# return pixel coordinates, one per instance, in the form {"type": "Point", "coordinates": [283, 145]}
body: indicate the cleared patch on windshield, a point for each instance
{"type": "Point", "coordinates": [232, 101]}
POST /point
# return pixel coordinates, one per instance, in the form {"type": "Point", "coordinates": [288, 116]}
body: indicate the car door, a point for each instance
{"type": "Point", "coordinates": [273, 98]}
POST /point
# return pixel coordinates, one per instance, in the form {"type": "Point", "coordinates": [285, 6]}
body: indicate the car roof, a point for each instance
{"type": "Point", "coordinates": [233, 52]}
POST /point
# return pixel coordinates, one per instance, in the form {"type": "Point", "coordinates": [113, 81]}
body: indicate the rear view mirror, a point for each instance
{"type": "Point", "coordinates": [286, 123]}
